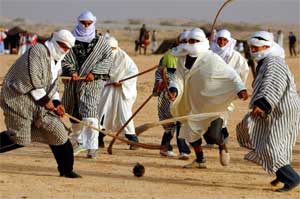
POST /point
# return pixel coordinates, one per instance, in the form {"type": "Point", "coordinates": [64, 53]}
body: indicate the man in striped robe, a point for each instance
{"type": "Point", "coordinates": [91, 59]}
{"type": "Point", "coordinates": [270, 130]}
{"type": "Point", "coordinates": [30, 101]}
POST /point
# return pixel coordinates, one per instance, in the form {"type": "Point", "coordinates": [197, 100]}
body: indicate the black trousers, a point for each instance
{"type": "Point", "coordinates": [288, 176]}
{"type": "Point", "coordinates": [215, 134]}
{"type": "Point", "coordinates": [8, 141]}
{"type": "Point", "coordinates": [181, 144]}
{"type": "Point", "coordinates": [63, 153]}
{"type": "Point", "coordinates": [64, 157]}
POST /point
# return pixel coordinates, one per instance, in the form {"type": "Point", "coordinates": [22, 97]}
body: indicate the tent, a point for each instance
{"type": "Point", "coordinates": [165, 45]}
{"type": "Point", "coordinates": [11, 42]}
{"type": "Point", "coordinates": [169, 43]}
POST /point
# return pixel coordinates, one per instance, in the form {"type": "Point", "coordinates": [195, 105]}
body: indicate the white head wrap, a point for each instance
{"type": "Point", "coordinates": [264, 38]}
{"type": "Point", "coordinates": [184, 35]}
{"type": "Point", "coordinates": [63, 36]}
{"type": "Point", "coordinates": [82, 33]}
{"type": "Point", "coordinates": [226, 51]}
{"type": "Point", "coordinates": [197, 48]}
{"type": "Point", "coordinates": [113, 42]}
{"type": "Point", "coordinates": [193, 49]}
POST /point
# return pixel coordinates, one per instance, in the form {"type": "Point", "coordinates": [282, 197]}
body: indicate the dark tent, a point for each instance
{"type": "Point", "coordinates": [165, 45]}
{"type": "Point", "coordinates": [11, 42]}
{"type": "Point", "coordinates": [169, 43]}
{"type": "Point", "coordinates": [13, 37]}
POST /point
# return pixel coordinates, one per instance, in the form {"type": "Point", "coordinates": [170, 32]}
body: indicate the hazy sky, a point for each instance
{"type": "Point", "coordinates": [56, 11]}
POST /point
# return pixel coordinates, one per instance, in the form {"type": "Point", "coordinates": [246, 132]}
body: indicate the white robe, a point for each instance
{"type": "Point", "coordinates": [210, 86]}
{"type": "Point", "coordinates": [240, 65]}
{"type": "Point", "coordinates": [116, 102]}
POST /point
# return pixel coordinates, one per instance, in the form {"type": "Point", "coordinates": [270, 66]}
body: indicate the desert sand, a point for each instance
{"type": "Point", "coordinates": [30, 172]}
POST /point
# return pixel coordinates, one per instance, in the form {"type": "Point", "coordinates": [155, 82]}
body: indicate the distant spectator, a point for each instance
{"type": "Point", "coordinates": [107, 35]}
{"type": "Point", "coordinates": [279, 38]}
{"type": "Point", "coordinates": [31, 40]}
{"type": "Point", "coordinates": [292, 44]}
{"type": "Point", "coordinates": [154, 41]}
{"type": "Point", "coordinates": [22, 43]}
{"type": "Point", "coordinates": [2, 37]}
{"type": "Point", "coordinates": [143, 31]}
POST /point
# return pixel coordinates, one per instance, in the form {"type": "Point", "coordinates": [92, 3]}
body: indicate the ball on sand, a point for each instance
{"type": "Point", "coordinates": [138, 170]}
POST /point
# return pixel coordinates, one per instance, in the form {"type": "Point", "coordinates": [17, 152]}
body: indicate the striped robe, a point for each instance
{"type": "Point", "coordinates": [23, 116]}
{"type": "Point", "coordinates": [164, 104]}
{"type": "Point", "coordinates": [81, 98]}
{"type": "Point", "coordinates": [272, 137]}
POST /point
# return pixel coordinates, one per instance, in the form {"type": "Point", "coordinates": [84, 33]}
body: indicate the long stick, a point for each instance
{"type": "Point", "coordinates": [62, 78]}
{"type": "Point", "coordinates": [146, 146]}
{"type": "Point", "coordinates": [165, 79]}
{"type": "Point", "coordinates": [109, 149]}
{"type": "Point", "coordinates": [144, 127]}
{"type": "Point", "coordinates": [69, 78]}
{"type": "Point", "coordinates": [216, 17]}
{"type": "Point", "coordinates": [133, 76]}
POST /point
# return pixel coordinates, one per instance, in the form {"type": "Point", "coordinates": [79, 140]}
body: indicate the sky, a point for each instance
{"type": "Point", "coordinates": [66, 11]}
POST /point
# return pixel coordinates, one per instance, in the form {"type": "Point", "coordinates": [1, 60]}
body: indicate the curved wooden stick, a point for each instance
{"type": "Point", "coordinates": [69, 78]}
{"type": "Point", "coordinates": [109, 149]}
{"type": "Point", "coordinates": [165, 79]}
{"type": "Point", "coordinates": [133, 76]}
{"type": "Point", "coordinates": [215, 20]}
{"type": "Point", "coordinates": [144, 127]}
{"type": "Point", "coordinates": [145, 146]}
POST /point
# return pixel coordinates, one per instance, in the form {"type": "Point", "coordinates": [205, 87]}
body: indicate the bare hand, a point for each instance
{"type": "Point", "coordinates": [257, 112]}
{"type": "Point", "coordinates": [89, 77]}
{"type": "Point", "coordinates": [243, 95]}
{"type": "Point", "coordinates": [172, 96]}
{"type": "Point", "coordinates": [159, 87]}
{"type": "Point", "coordinates": [50, 105]}
{"type": "Point", "coordinates": [75, 77]}
{"type": "Point", "coordinates": [60, 110]}
{"type": "Point", "coordinates": [117, 84]}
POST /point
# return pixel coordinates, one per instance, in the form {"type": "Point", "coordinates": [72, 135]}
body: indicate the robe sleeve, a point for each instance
{"type": "Point", "coordinates": [274, 83]}
{"type": "Point", "coordinates": [68, 64]}
{"type": "Point", "coordinates": [235, 78]}
{"type": "Point", "coordinates": [243, 68]}
{"type": "Point", "coordinates": [36, 65]}
{"type": "Point", "coordinates": [104, 65]}
{"type": "Point", "coordinates": [129, 86]}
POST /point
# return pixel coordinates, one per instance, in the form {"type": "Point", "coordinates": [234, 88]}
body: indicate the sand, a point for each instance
{"type": "Point", "coordinates": [31, 172]}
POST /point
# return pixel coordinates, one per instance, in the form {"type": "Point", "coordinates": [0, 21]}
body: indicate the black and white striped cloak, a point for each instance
{"type": "Point", "coordinates": [272, 137]}
{"type": "Point", "coordinates": [81, 98]}
{"type": "Point", "coordinates": [30, 121]}
{"type": "Point", "coordinates": [163, 102]}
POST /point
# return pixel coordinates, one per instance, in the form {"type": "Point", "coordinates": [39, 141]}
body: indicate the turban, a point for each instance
{"type": "Point", "coordinates": [113, 42]}
{"type": "Point", "coordinates": [64, 36]}
{"type": "Point", "coordinates": [184, 35]}
{"type": "Point", "coordinates": [198, 34]}
{"type": "Point", "coordinates": [226, 51]}
{"type": "Point", "coordinates": [264, 38]}
{"type": "Point", "coordinates": [225, 34]}
{"type": "Point", "coordinates": [86, 16]}
{"type": "Point", "coordinates": [82, 33]}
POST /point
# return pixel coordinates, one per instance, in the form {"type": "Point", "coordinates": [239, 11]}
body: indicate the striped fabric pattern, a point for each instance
{"type": "Point", "coordinates": [272, 137]}
{"type": "Point", "coordinates": [28, 120]}
{"type": "Point", "coordinates": [163, 105]}
{"type": "Point", "coordinates": [80, 96]}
